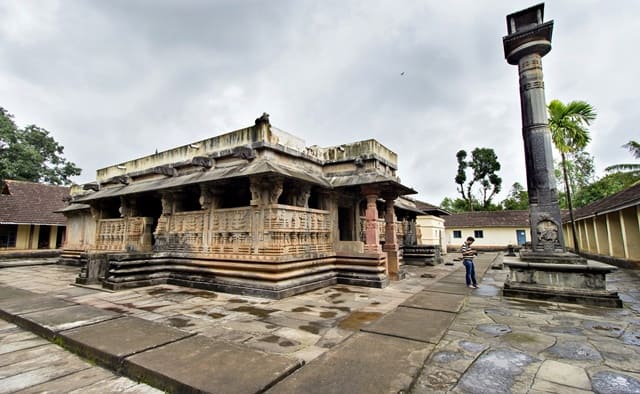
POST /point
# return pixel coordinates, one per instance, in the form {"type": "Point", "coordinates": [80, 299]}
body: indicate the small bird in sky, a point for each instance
{"type": "Point", "coordinates": [402, 73]}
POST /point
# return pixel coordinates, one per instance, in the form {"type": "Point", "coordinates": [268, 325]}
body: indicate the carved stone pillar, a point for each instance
{"type": "Point", "coordinates": [371, 233]}
{"type": "Point", "coordinates": [391, 242]}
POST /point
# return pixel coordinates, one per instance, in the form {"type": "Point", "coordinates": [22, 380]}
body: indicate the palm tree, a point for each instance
{"type": "Point", "coordinates": [568, 124]}
{"type": "Point", "coordinates": [634, 148]}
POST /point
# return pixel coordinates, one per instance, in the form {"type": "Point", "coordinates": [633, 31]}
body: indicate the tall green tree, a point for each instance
{"type": "Point", "coordinates": [580, 168]}
{"type": "Point", "coordinates": [606, 186]}
{"type": "Point", "coordinates": [484, 165]}
{"type": "Point", "coordinates": [518, 198]}
{"type": "Point", "coordinates": [634, 148]}
{"type": "Point", "coordinates": [569, 131]}
{"type": "Point", "coordinates": [31, 154]}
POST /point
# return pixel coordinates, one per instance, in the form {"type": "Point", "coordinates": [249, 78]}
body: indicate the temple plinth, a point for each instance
{"type": "Point", "coordinates": [546, 270]}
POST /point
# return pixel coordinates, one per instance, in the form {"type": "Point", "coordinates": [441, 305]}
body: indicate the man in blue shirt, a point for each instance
{"type": "Point", "coordinates": [467, 261]}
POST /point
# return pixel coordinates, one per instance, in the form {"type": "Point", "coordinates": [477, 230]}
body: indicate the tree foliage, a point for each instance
{"type": "Point", "coordinates": [31, 154]}
{"type": "Point", "coordinates": [606, 186]}
{"type": "Point", "coordinates": [568, 124]}
{"type": "Point", "coordinates": [484, 165]}
{"type": "Point", "coordinates": [518, 198]}
{"type": "Point", "coordinates": [580, 169]}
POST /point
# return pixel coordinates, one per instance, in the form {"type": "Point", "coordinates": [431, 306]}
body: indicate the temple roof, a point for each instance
{"type": "Point", "coordinates": [31, 203]}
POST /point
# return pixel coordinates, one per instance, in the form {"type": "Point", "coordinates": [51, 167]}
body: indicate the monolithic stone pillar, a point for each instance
{"type": "Point", "coordinates": [528, 41]}
{"type": "Point", "coordinates": [546, 271]}
{"type": "Point", "coordinates": [371, 233]}
{"type": "Point", "coordinates": [391, 240]}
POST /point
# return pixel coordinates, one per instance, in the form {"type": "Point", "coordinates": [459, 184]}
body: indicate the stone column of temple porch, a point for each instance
{"type": "Point", "coordinates": [391, 240]}
{"type": "Point", "coordinates": [372, 235]}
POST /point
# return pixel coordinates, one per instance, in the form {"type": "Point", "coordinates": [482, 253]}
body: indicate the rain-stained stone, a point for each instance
{"type": "Point", "coordinates": [472, 347]}
{"type": "Point", "coordinates": [446, 357]}
{"type": "Point", "coordinates": [565, 374]}
{"type": "Point", "coordinates": [435, 379]}
{"type": "Point", "coordinates": [498, 312]}
{"type": "Point", "coordinates": [529, 341]}
{"type": "Point", "coordinates": [619, 356]}
{"type": "Point", "coordinates": [604, 328]}
{"type": "Point", "coordinates": [632, 337]}
{"type": "Point", "coordinates": [574, 350]}
{"type": "Point", "coordinates": [485, 290]}
{"type": "Point", "coordinates": [543, 387]}
{"type": "Point", "coordinates": [562, 330]}
{"type": "Point", "coordinates": [495, 371]}
{"type": "Point", "coordinates": [607, 382]}
{"type": "Point", "coordinates": [495, 330]}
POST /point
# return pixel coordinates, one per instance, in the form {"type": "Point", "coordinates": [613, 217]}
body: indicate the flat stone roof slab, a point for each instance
{"type": "Point", "coordinates": [8, 292]}
{"type": "Point", "coordinates": [452, 288]}
{"type": "Point", "coordinates": [202, 364]}
{"type": "Point", "coordinates": [109, 342]}
{"type": "Point", "coordinates": [366, 363]}
{"type": "Point", "coordinates": [48, 322]}
{"type": "Point", "coordinates": [10, 307]}
{"type": "Point", "coordinates": [436, 301]}
{"type": "Point", "coordinates": [411, 323]}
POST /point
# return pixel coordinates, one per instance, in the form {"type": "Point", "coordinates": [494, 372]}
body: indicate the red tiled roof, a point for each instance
{"type": "Point", "coordinates": [620, 200]}
{"type": "Point", "coordinates": [487, 219]}
{"type": "Point", "coordinates": [31, 203]}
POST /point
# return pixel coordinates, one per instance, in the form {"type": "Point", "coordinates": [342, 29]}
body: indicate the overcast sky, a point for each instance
{"type": "Point", "coordinates": [116, 80]}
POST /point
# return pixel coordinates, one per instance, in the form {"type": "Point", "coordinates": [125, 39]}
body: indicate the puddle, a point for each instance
{"type": "Point", "coordinates": [375, 303]}
{"type": "Point", "coordinates": [115, 309]}
{"type": "Point", "coordinates": [270, 339]}
{"type": "Point", "coordinates": [356, 320]}
{"type": "Point", "coordinates": [179, 322]}
{"type": "Point", "coordinates": [346, 290]}
{"type": "Point", "coordinates": [258, 312]}
{"type": "Point", "coordinates": [160, 291]}
{"type": "Point", "coordinates": [215, 315]}
{"type": "Point", "coordinates": [327, 315]}
{"type": "Point", "coordinates": [340, 308]}
{"type": "Point", "coordinates": [301, 309]}
{"type": "Point", "coordinates": [237, 301]}
{"type": "Point", "coordinates": [202, 294]}
{"type": "Point", "coordinates": [312, 328]}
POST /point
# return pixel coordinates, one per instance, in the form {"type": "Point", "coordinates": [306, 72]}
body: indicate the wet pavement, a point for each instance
{"type": "Point", "coordinates": [499, 345]}
{"type": "Point", "coordinates": [472, 341]}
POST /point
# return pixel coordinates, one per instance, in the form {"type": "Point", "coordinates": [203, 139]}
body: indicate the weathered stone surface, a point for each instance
{"type": "Point", "coordinates": [574, 350]}
{"type": "Point", "coordinates": [495, 372]}
{"type": "Point", "coordinates": [435, 379]}
{"type": "Point", "coordinates": [411, 323]}
{"type": "Point", "coordinates": [565, 374]}
{"type": "Point", "coordinates": [604, 328]}
{"type": "Point", "coordinates": [201, 364]}
{"type": "Point", "coordinates": [495, 330]}
{"type": "Point", "coordinates": [606, 382]}
{"type": "Point", "coordinates": [531, 342]}
{"type": "Point", "coordinates": [436, 301]}
{"type": "Point", "coordinates": [9, 307]}
{"type": "Point", "coordinates": [48, 322]}
{"type": "Point", "coordinates": [543, 387]}
{"type": "Point", "coordinates": [452, 288]}
{"type": "Point", "coordinates": [367, 363]}
{"type": "Point", "coordinates": [71, 382]}
{"type": "Point", "coordinates": [109, 342]}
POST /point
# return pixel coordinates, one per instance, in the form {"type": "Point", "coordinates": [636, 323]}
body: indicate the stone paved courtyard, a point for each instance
{"type": "Point", "coordinates": [493, 344]}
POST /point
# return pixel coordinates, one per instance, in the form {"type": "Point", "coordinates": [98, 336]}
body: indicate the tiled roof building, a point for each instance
{"type": "Point", "coordinates": [27, 215]}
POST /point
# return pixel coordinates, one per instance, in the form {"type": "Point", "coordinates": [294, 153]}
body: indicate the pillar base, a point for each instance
{"type": "Point", "coordinates": [570, 282]}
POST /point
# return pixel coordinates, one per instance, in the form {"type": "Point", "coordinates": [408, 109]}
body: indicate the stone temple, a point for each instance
{"type": "Point", "coordinates": [253, 211]}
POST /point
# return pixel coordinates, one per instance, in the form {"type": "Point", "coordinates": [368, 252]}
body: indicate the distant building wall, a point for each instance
{"type": "Point", "coordinates": [611, 236]}
{"type": "Point", "coordinates": [432, 231]}
{"type": "Point", "coordinates": [492, 237]}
